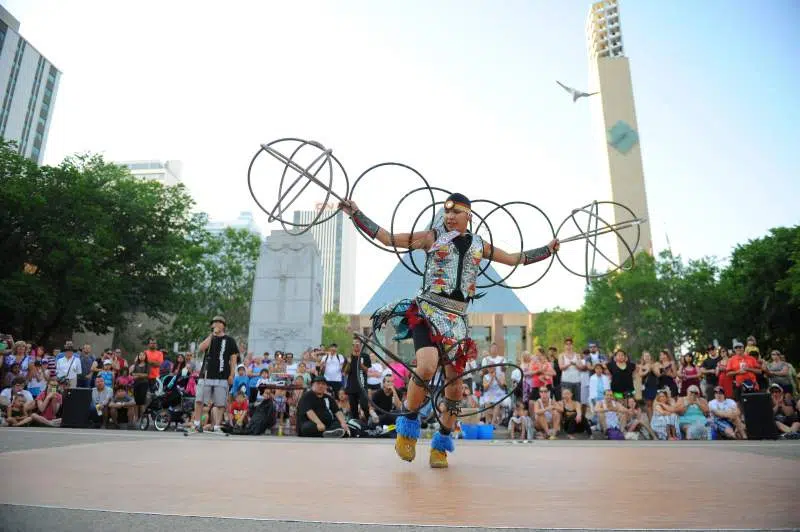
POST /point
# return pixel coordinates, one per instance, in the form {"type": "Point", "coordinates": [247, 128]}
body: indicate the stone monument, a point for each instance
{"type": "Point", "coordinates": [286, 308]}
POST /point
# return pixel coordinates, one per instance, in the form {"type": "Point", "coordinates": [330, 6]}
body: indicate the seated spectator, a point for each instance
{"type": "Point", "coordinates": [17, 386]}
{"type": "Point", "coordinates": [238, 411]}
{"type": "Point", "coordinates": [48, 404]}
{"type": "Point", "coordinates": [726, 419]}
{"type": "Point", "coordinates": [302, 372]}
{"type": "Point", "coordinates": [547, 413]}
{"type": "Point", "coordinates": [637, 424]}
{"type": "Point", "coordinates": [101, 397]}
{"type": "Point", "coordinates": [520, 425]}
{"type": "Point", "coordinates": [344, 402]}
{"type": "Point", "coordinates": [692, 410]}
{"type": "Point", "coordinates": [608, 416]}
{"type": "Point", "coordinates": [16, 415]}
{"type": "Point", "coordinates": [784, 414]}
{"type": "Point", "coordinates": [388, 400]}
{"type": "Point", "coordinates": [123, 403]}
{"type": "Point", "coordinates": [292, 400]}
{"type": "Point", "coordinates": [574, 421]}
{"type": "Point", "coordinates": [261, 388]}
{"type": "Point", "coordinates": [665, 420]}
{"type": "Point", "coordinates": [318, 412]}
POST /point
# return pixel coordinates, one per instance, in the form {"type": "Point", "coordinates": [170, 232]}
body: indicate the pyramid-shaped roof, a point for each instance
{"type": "Point", "coordinates": [402, 283]}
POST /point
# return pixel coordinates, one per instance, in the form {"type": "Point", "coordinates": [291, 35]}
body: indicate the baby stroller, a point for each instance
{"type": "Point", "coordinates": [169, 405]}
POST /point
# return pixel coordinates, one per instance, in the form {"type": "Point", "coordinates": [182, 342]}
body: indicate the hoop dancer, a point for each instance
{"type": "Point", "coordinates": [436, 318]}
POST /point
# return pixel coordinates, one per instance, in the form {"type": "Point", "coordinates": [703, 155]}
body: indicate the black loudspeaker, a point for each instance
{"type": "Point", "coordinates": [75, 410]}
{"type": "Point", "coordinates": [758, 417]}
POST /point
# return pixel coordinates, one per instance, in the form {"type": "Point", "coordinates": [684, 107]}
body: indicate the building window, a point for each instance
{"type": "Point", "coordinates": [514, 337]}
{"type": "Point", "coordinates": [482, 337]}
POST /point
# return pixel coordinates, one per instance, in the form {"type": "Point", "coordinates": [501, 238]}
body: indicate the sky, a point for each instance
{"type": "Point", "coordinates": [463, 91]}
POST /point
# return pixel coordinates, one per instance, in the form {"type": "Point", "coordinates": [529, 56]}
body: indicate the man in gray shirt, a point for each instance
{"type": "Point", "coordinates": [101, 396]}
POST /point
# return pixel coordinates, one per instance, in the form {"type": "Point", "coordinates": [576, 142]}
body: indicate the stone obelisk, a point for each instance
{"type": "Point", "coordinates": [286, 308]}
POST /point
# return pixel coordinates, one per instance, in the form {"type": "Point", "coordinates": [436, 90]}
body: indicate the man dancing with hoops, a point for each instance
{"type": "Point", "coordinates": [436, 318]}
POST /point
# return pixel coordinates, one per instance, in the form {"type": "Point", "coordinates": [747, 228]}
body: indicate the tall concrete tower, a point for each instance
{"type": "Point", "coordinates": [610, 73]}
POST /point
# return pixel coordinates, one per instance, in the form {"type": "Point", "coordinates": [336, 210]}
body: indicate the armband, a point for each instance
{"type": "Point", "coordinates": [535, 255]}
{"type": "Point", "coordinates": [365, 224]}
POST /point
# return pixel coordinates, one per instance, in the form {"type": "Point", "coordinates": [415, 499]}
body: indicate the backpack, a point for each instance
{"type": "Point", "coordinates": [262, 419]}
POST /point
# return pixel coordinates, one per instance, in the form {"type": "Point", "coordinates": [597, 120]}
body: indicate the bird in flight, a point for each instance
{"type": "Point", "coordinates": [575, 92]}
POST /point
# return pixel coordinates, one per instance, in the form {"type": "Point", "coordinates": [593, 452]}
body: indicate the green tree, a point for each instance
{"type": "Point", "coordinates": [336, 330]}
{"type": "Point", "coordinates": [552, 326]}
{"type": "Point", "coordinates": [761, 289]}
{"type": "Point", "coordinates": [84, 243]}
{"type": "Point", "coordinates": [219, 282]}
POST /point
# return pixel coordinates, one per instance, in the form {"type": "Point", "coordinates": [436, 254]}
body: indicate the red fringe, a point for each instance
{"type": "Point", "coordinates": [466, 349]}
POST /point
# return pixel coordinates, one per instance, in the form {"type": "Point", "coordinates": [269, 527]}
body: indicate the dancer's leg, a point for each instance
{"type": "Point", "coordinates": [408, 426]}
{"type": "Point", "coordinates": [442, 441]}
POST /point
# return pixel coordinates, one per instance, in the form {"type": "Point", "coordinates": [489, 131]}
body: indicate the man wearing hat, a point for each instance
{"type": "Point", "coordinates": [317, 412]}
{"type": "Point", "coordinates": [436, 318]}
{"type": "Point", "coordinates": [742, 368]}
{"type": "Point", "coordinates": [68, 367]}
{"type": "Point", "coordinates": [216, 374]}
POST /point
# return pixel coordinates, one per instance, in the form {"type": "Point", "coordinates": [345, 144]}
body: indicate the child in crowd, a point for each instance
{"type": "Point", "coordinates": [520, 425]}
{"type": "Point", "coordinates": [107, 373]}
{"type": "Point", "coordinates": [36, 378]}
{"type": "Point", "coordinates": [124, 379]}
{"type": "Point", "coordinates": [16, 412]}
{"type": "Point", "coordinates": [241, 380]}
{"type": "Point", "coordinates": [238, 411]}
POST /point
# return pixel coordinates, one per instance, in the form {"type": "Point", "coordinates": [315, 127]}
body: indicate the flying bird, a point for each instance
{"type": "Point", "coordinates": [575, 92]}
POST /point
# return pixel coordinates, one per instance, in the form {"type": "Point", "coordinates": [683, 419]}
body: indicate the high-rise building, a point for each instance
{"type": "Point", "coordinates": [245, 220]}
{"type": "Point", "coordinates": [28, 86]}
{"type": "Point", "coordinates": [336, 240]}
{"type": "Point", "coordinates": [610, 73]}
{"type": "Point", "coordinates": [167, 173]}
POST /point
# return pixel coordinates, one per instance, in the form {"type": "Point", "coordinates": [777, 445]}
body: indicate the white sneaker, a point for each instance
{"type": "Point", "coordinates": [333, 433]}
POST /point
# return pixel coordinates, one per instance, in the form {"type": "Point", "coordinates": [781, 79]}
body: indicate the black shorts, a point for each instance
{"type": "Point", "coordinates": [421, 333]}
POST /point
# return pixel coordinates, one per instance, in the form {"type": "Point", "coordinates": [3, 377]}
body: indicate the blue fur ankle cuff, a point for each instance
{"type": "Point", "coordinates": [440, 442]}
{"type": "Point", "coordinates": [408, 427]}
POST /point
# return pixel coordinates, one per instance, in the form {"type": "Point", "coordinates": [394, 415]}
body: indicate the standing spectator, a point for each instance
{"type": "Point", "coordinates": [88, 366]}
{"type": "Point", "coordinates": [689, 374]}
{"type": "Point", "coordinates": [50, 361]}
{"type": "Point", "coordinates": [778, 371]}
{"type": "Point", "coordinates": [19, 355]}
{"type": "Point", "coordinates": [726, 420]}
{"type": "Point", "coordinates": [222, 354]}
{"type": "Point", "coordinates": [725, 380]}
{"type": "Point", "coordinates": [13, 373]}
{"type": "Point", "coordinates": [118, 362]}
{"type": "Point", "coordinates": [375, 373]}
{"type": "Point", "coordinates": [666, 371]}
{"type": "Point", "coordinates": [107, 374]}
{"type": "Point", "coordinates": [555, 375]}
{"type": "Point", "coordinates": [494, 358]}
{"type": "Point", "coordinates": [708, 370]}
{"type": "Point", "coordinates": [141, 382]}
{"type": "Point", "coordinates": [493, 391]}
{"type": "Point", "coordinates": [101, 397]}
{"type": "Point", "coordinates": [36, 378]}
{"type": "Point", "coordinates": [358, 365]}
{"type": "Point", "coordinates": [165, 368]}
{"type": "Point", "coordinates": [317, 412]}
{"type": "Point", "coordinates": [621, 370]}
{"type": "Point", "coordinates": [571, 364]}
{"type": "Point", "coordinates": [649, 381]}
{"type": "Point", "coordinates": [743, 368]}
{"type": "Point", "coordinates": [598, 384]}
{"type": "Point", "coordinates": [190, 363]}
{"type": "Point", "coordinates": [331, 367]}
{"type": "Point", "coordinates": [69, 367]}
{"type": "Point", "coordinates": [154, 360]}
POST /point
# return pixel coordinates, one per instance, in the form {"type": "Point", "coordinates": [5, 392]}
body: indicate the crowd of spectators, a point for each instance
{"type": "Point", "coordinates": [560, 392]}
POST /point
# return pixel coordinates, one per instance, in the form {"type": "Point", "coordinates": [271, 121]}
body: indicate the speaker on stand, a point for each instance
{"type": "Point", "coordinates": [758, 417]}
{"type": "Point", "coordinates": [75, 410]}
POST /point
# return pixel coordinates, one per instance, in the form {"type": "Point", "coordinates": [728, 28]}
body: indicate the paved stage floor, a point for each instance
{"type": "Point", "coordinates": [69, 479]}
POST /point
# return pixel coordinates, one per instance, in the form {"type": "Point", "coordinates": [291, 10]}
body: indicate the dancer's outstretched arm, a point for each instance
{"type": "Point", "coordinates": [418, 240]}
{"type": "Point", "coordinates": [526, 257]}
